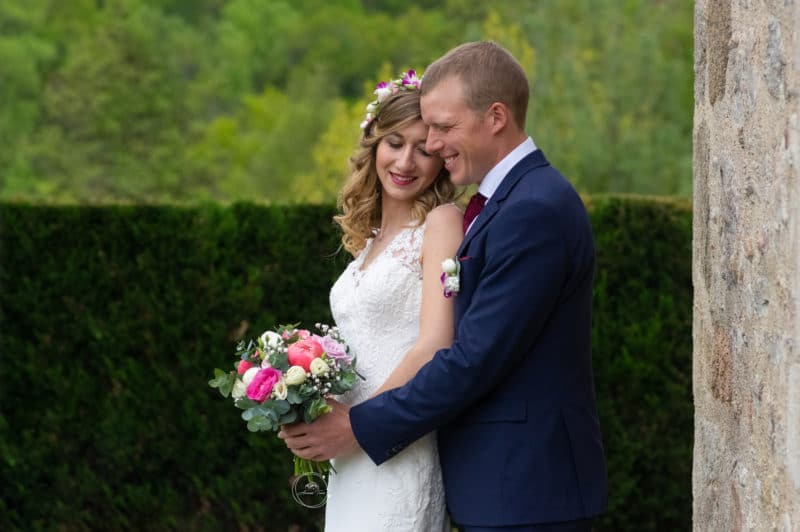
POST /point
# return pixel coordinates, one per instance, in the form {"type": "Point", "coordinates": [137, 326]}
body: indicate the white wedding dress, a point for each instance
{"type": "Point", "coordinates": [377, 312]}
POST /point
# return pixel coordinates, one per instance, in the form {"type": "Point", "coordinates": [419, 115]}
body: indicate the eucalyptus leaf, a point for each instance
{"type": "Point", "coordinates": [344, 384]}
{"type": "Point", "coordinates": [288, 417]}
{"type": "Point", "coordinates": [244, 403]}
{"type": "Point", "coordinates": [279, 406]}
{"type": "Point", "coordinates": [279, 361]}
{"type": "Point", "coordinates": [260, 423]}
{"type": "Point", "coordinates": [306, 391]}
{"type": "Point", "coordinates": [223, 381]}
{"type": "Point", "coordinates": [293, 396]}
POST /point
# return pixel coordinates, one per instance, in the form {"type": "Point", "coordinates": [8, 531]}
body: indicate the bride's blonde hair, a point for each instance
{"type": "Point", "coordinates": [360, 198]}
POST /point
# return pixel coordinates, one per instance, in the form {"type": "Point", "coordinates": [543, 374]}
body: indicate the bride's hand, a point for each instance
{"type": "Point", "coordinates": [326, 437]}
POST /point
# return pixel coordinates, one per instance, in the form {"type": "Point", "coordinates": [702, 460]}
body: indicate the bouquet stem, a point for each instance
{"type": "Point", "coordinates": [303, 467]}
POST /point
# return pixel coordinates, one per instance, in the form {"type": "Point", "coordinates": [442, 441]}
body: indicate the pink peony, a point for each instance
{"type": "Point", "coordinates": [262, 384]}
{"type": "Point", "coordinates": [301, 353]}
{"type": "Point", "coordinates": [243, 366]}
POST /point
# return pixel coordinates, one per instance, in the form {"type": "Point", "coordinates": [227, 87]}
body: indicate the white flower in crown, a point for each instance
{"type": "Point", "coordinates": [383, 90]}
{"type": "Point", "coordinates": [408, 82]}
{"type": "Point", "coordinates": [367, 120]}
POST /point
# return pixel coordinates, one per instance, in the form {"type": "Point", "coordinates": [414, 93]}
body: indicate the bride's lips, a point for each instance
{"type": "Point", "coordinates": [402, 180]}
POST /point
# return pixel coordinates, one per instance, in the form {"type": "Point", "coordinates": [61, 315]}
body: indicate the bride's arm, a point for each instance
{"type": "Point", "coordinates": [443, 234]}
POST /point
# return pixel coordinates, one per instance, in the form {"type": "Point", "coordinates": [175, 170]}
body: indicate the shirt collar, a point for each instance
{"type": "Point", "coordinates": [501, 169]}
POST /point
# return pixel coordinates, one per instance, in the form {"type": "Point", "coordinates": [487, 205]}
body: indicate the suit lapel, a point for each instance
{"type": "Point", "coordinates": [528, 163]}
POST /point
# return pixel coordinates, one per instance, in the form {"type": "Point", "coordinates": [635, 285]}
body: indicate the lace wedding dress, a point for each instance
{"type": "Point", "coordinates": [377, 311]}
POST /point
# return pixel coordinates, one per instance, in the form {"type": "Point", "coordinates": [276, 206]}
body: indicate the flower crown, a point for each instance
{"type": "Point", "coordinates": [384, 89]}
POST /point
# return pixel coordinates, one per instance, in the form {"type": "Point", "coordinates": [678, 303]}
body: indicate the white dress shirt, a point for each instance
{"type": "Point", "coordinates": [496, 175]}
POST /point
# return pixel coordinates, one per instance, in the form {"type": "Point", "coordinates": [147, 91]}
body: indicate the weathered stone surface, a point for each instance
{"type": "Point", "coordinates": [746, 269]}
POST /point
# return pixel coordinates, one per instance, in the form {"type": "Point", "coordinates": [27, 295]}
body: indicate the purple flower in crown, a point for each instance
{"type": "Point", "coordinates": [384, 89]}
{"type": "Point", "coordinates": [410, 79]}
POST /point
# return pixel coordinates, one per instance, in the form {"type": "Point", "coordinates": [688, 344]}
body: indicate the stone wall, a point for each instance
{"type": "Point", "coordinates": [746, 270]}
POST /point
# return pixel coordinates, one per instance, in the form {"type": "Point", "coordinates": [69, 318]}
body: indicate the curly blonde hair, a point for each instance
{"type": "Point", "coordinates": [360, 198]}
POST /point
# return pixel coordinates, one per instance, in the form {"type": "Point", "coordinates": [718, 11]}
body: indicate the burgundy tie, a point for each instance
{"type": "Point", "coordinates": [474, 207]}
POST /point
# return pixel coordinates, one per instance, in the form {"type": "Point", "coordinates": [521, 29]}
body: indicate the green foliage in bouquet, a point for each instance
{"type": "Point", "coordinates": [111, 318]}
{"type": "Point", "coordinates": [286, 375]}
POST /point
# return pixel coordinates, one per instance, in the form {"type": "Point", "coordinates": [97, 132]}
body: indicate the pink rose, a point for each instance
{"type": "Point", "coordinates": [301, 353]}
{"type": "Point", "coordinates": [261, 385]}
{"type": "Point", "coordinates": [243, 366]}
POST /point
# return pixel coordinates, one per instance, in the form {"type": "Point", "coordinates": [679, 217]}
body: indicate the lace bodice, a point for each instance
{"type": "Point", "coordinates": [376, 307]}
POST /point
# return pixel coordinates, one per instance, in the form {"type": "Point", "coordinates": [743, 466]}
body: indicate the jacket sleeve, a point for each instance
{"type": "Point", "coordinates": [518, 288]}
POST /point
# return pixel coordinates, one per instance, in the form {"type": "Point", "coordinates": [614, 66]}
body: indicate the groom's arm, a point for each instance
{"type": "Point", "coordinates": [518, 288]}
{"type": "Point", "coordinates": [524, 271]}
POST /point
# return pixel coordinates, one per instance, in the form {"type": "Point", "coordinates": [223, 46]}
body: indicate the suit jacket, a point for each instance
{"type": "Point", "coordinates": [513, 398]}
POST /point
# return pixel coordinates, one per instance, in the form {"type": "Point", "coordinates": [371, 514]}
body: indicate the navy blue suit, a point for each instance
{"type": "Point", "coordinates": [513, 398]}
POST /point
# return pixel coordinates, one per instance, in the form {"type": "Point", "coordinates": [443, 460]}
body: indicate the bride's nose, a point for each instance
{"type": "Point", "coordinates": [405, 162]}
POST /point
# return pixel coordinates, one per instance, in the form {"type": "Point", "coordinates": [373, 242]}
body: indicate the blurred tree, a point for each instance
{"type": "Point", "coordinates": [116, 116]}
{"type": "Point", "coordinates": [331, 155]}
{"type": "Point", "coordinates": [24, 55]}
{"type": "Point", "coordinates": [611, 96]}
{"type": "Point", "coordinates": [257, 153]}
{"type": "Point", "coordinates": [224, 99]}
{"type": "Point", "coordinates": [251, 50]}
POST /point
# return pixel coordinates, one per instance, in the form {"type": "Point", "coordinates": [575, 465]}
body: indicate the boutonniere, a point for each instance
{"type": "Point", "coordinates": [451, 268]}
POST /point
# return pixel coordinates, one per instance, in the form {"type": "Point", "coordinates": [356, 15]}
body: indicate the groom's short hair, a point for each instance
{"type": "Point", "coordinates": [488, 72]}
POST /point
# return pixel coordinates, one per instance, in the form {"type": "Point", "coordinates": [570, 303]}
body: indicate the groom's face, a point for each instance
{"type": "Point", "coordinates": [457, 133]}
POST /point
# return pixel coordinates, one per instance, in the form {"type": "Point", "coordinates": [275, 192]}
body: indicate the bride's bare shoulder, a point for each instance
{"type": "Point", "coordinates": [445, 215]}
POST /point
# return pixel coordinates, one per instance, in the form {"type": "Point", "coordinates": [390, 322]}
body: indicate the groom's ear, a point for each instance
{"type": "Point", "coordinates": [498, 116]}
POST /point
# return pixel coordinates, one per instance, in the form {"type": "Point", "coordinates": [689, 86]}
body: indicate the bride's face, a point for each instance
{"type": "Point", "coordinates": [404, 168]}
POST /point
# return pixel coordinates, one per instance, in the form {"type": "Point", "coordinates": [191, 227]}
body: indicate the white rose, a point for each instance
{"type": "Point", "coordinates": [295, 375]}
{"type": "Point", "coordinates": [249, 375]}
{"type": "Point", "coordinates": [239, 389]}
{"type": "Point", "coordinates": [449, 266]}
{"type": "Point", "coordinates": [271, 339]}
{"type": "Point", "coordinates": [452, 284]}
{"type": "Point", "coordinates": [319, 367]}
{"type": "Point", "coordinates": [383, 93]}
{"type": "Point", "coordinates": [279, 391]}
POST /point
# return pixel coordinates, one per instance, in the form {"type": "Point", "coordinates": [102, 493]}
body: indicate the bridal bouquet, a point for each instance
{"type": "Point", "coordinates": [284, 376]}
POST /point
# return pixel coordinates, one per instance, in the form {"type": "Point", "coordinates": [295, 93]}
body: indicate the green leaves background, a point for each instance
{"type": "Point", "coordinates": [186, 101]}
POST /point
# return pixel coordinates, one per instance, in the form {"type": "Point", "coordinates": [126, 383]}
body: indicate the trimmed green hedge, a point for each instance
{"type": "Point", "coordinates": [112, 319]}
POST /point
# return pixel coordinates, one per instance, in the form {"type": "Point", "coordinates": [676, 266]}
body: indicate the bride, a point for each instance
{"type": "Point", "coordinates": [398, 222]}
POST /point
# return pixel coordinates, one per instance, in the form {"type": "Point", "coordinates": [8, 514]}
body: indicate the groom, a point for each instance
{"type": "Point", "coordinates": [513, 398]}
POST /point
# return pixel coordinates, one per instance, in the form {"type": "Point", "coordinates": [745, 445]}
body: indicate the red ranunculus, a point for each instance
{"type": "Point", "coordinates": [243, 366]}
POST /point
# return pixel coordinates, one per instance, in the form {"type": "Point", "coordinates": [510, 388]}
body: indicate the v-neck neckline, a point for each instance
{"type": "Point", "coordinates": [363, 265]}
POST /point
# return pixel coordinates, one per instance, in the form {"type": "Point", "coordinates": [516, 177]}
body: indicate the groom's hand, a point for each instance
{"type": "Point", "coordinates": [328, 436]}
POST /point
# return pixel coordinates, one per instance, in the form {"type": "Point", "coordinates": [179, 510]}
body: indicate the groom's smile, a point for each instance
{"type": "Point", "coordinates": [458, 134]}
